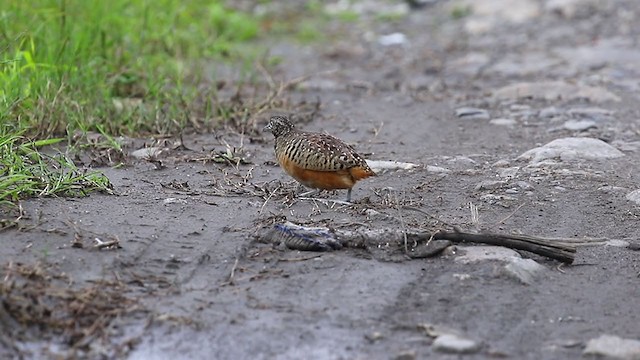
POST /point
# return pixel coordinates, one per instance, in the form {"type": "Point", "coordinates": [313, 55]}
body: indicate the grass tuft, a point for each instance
{"type": "Point", "coordinates": [27, 172]}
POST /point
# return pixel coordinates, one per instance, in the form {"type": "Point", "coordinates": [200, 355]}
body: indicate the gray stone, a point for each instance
{"type": "Point", "coordinates": [572, 148]}
{"type": "Point", "coordinates": [591, 113]}
{"type": "Point", "coordinates": [524, 270]}
{"type": "Point", "coordinates": [548, 112]}
{"type": "Point", "coordinates": [451, 343]}
{"type": "Point", "coordinates": [501, 163]}
{"type": "Point", "coordinates": [634, 196]}
{"type": "Point", "coordinates": [612, 346]}
{"type": "Point", "coordinates": [490, 184]}
{"type": "Point", "coordinates": [524, 185]}
{"type": "Point", "coordinates": [631, 146]}
{"type": "Point", "coordinates": [462, 161]}
{"type": "Point", "coordinates": [579, 125]}
{"type": "Point", "coordinates": [509, 173]}
{"type": "Point", "coordinates": [553, 91]}
{"type": "Point", "coordinates": [472, 113]}
{"type": "Point", "coordinates": [437, 169]}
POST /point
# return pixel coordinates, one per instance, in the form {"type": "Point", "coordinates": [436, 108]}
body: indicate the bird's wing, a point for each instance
{"type": "Point", "coordinates": [323, 152]}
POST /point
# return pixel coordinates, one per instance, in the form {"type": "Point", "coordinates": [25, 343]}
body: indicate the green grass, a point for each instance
{"type": "Point", "coordinates": [63, 63]}
{"type": "Point", "coordinates": [27, 172]}
{"type": "Point", "coordinates": [115, 67]}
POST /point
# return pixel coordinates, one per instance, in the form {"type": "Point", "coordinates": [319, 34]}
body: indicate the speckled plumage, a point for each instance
{"type": "Point", "coordinates": [317, 160]}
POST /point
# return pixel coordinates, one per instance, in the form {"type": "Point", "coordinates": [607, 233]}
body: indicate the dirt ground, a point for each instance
{"type": "Point", "coordinates": [194, 283]}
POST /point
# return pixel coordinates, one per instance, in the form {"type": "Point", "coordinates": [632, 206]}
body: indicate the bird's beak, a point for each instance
{"type": "Point", "coordinates": [267, 128]}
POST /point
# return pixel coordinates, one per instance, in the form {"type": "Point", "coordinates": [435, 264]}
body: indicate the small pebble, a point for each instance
{"type": "Point", "coordinates": [634, 196]}
{"type": "Point", "coordinates": [579, 125]}
{"type": "Point", "coordinates": [524, 270]}
{"type": "Point", "coordinates": [548, 112]}
{"type": "Point", "coordinates": [614, 347]}
{"type": "Point", "coordinates": [450, 343]}
{"type": "Point", "coordinates": [503, 122]}
{"type": "Point", "coordinates": [392, 39]}
{"type": "Point", "coordinates": [490, 184]}
{"type": "Point", "coordinates": [500, 163]}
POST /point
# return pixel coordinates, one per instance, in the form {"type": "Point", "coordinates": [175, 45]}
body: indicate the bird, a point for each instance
{"type": "Point", "coordinates": [317, 160]}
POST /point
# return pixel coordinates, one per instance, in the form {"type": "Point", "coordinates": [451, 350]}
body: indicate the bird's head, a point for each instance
{"type": "Point", "coordinates": [279, 125]}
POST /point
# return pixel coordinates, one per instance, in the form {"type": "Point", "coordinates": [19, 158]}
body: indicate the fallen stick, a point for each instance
{"type": "Point", "coordinates": [325, 239]}
{"type": "Point", "coordinates": [549, 247]}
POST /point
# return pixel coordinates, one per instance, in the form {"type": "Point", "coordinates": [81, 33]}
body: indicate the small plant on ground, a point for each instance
{"type": "Point", "coordinates": [25, 171]}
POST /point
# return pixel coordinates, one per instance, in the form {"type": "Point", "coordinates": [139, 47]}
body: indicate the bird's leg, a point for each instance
{"type": "Point", "coordinates": [349, 195]}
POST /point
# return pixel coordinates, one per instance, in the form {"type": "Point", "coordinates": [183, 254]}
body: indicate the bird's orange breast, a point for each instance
{"type": "Point", "coordinates": [326, 180]}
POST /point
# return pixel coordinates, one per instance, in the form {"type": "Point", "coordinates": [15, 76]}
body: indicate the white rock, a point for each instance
{"type": "Point", "coordinates": [452, 343]}
{"type": "Point", "coordinates": [617, 243]}
{"type": "Point", "coordinates": [462, 160]}
{"type": "Point", "coordinates": [613, 347]}
{"type": "Point", "coordinates": [572, 148]}
{"type": "Point", "coordinates": [392, 39]}
{"type": "Point", "coordinates": [174, 201]}
{"type": "Point", "coordinates": [473, 254]}
{"type": "Point", "coordinates": [579, 125]}
{"type": "Point", "coordinates": [634, 196]}
{"type": "Point", "coordinates": [503, 122]}
{"type": "Point", "coordinates": [553, 91]}
{"type": "Point", "coordinates": [437, 169]}
{"type": "Point", "coordinates": [380, 165]}
{"type": "Point", "coordinates": [524, 270]}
